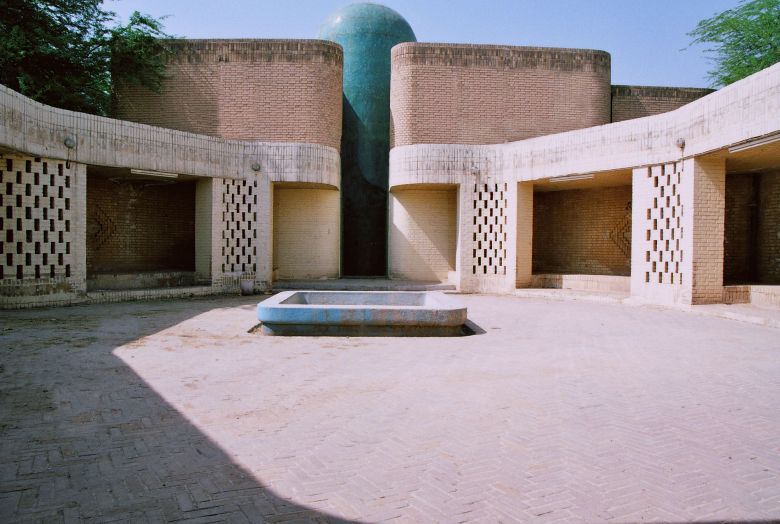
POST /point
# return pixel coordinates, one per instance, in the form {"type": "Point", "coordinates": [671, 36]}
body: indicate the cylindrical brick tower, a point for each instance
{"type": "Point", "coordinates": [367, 32]}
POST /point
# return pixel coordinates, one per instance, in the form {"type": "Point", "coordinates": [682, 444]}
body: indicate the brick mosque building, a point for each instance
{"type": "Point", "coordinates": [367, 154]}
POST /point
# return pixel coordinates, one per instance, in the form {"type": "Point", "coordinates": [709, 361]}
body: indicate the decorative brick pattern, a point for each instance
{"type": "Point", "coordinates": [490, 228]}
{"type": "Point", "coordinates": [446, 74]}
{"type": "Point", "coordinates": [620, 234]}
{"type": "Point", "coordinates": [101, 227]}
{"type": "Point", "coordinates": [38, 240]}
{"type": "Point", "coordinates": [583, 231]}
{"type": "Point", "coordinates": [663, 226]}
{"type": "Point", "coordinates": [677, 242]}
{"type": "Point", "coordinates": [239, 227]}
{"type": "Point", "coordinates": [139, 225]}
{"type": "Point", "coordinates": [26, 125]}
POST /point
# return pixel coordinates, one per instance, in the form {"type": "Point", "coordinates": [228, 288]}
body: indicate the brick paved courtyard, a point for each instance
{"type": "Point", "coordinates": [559, 411]}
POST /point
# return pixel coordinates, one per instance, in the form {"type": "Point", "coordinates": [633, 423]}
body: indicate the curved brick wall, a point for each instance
{"type": "Point", "coordinates": [637, 101]}
{"type": "Point", "coordinates": [267, 90]}
{"type": "Point", "coordinates": [468, 94]}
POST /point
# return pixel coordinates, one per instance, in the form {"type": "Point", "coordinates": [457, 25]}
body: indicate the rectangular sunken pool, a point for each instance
{"type": "Point", "coordinates": [362, 313]}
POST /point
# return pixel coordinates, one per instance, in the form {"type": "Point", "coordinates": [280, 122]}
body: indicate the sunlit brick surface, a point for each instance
{"type": "Point", "coordinates": [307, 233]}
{"type": "Point", "coordinates": [481, 94]}
{"type": "Point", "coordinates": [272, 90]}
{"type": "Point", "coordinates": [423, 233]}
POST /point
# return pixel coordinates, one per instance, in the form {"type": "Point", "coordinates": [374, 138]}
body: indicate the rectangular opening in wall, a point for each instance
{"type": "Point", "coordinates": [751, 240]}
{"type": "Point", "coordinates": [751, 265]}
{"type": "Point", "coordinates": [424, 231]}
{"type": "Point", "coordinates": [141, 229]}
{"type": "Point", "coordinates": [306, 232]}
{"type": "Point", "coordinates": [582, 232]}
{"type": "Point", "coordinates": [752, 223]}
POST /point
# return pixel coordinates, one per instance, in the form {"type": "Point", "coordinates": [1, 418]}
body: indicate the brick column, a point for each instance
{"type": "Point", "coordinates": [218, 226]}
{"type": "Point", "coordinates": [265, 232]}
{"type": "Point", "coordinates": [486, 250]}
{"type": "Point", "coordinates": [79, 205]}
{"type": "Point", "coordinates": [525, 233]}
{"type": "Point", "coordinates": [708, 212]}
{"type": "Point", "coordinates": [206, 235]}
{"type": "Point", "coordinates": [677, 232]}
{"type": "Point", "coordinates": [463, 239]}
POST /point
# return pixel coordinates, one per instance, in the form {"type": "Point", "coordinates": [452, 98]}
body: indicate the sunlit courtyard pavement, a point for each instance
{"type": "Point", "coordinates": [572, 411]}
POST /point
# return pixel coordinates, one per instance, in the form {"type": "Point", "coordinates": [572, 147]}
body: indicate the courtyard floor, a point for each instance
{"type": "Point", "coordinates": [558, 411]}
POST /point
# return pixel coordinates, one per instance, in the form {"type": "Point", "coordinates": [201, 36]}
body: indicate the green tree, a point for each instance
{"type": "Point", "coordinates": [72, 53]}
{"type": "Point", "coordinates": [746, 40]}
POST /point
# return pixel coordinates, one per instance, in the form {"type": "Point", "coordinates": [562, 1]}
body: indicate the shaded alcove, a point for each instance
{"type": "Point", "coordinates": [751, 252]}
{"type": "Point", "coordinates": [141, 229]}
{"type": "Point", "coordinates": [306, 231]}
{"type": "Point", "coordinates": [423, 232]}
{"type": "Point", "coordinates": [582, 232]}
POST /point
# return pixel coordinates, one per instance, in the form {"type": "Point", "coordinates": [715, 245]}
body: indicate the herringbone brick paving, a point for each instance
{"type": "Point", "coordinates": [559, 412]}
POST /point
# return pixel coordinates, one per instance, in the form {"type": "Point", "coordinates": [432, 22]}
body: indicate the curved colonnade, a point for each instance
{"type": "Point", "coordinates": [462, 212]}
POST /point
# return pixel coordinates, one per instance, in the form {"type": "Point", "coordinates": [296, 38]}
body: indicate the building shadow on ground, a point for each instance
{"type": "Point", "coordinates": [85, 438]}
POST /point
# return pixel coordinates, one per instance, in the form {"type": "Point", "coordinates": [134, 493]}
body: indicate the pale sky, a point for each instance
{"type": "Point", "coordinates": [647, 39]}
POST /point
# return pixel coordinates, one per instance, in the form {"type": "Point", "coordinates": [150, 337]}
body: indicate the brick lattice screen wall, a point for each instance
{"type": "Point", "coordinates": [139, 225]}
{"type": "Point", "coordinates": [584, 231]}
{"type": "Point", "coordinates": [664, 226]}
{"type": "Point", "coordinates": [39, 206]}
{"type": "Point", "coordinates": [490, 229]}
{"type": "Point", "coordinates": [239, 223]}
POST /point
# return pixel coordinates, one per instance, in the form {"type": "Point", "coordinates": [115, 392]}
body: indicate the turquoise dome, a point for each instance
{"type": "Point", "coordinates": [366, 32]}
{"type": "Point", "coordinates": [367, 18]}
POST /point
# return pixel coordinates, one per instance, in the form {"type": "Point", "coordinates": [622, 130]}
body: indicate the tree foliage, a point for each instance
{"type": "Point", "coordinates": [746, 40]}
{"type": "Point", "coordinates": [72, 53]}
